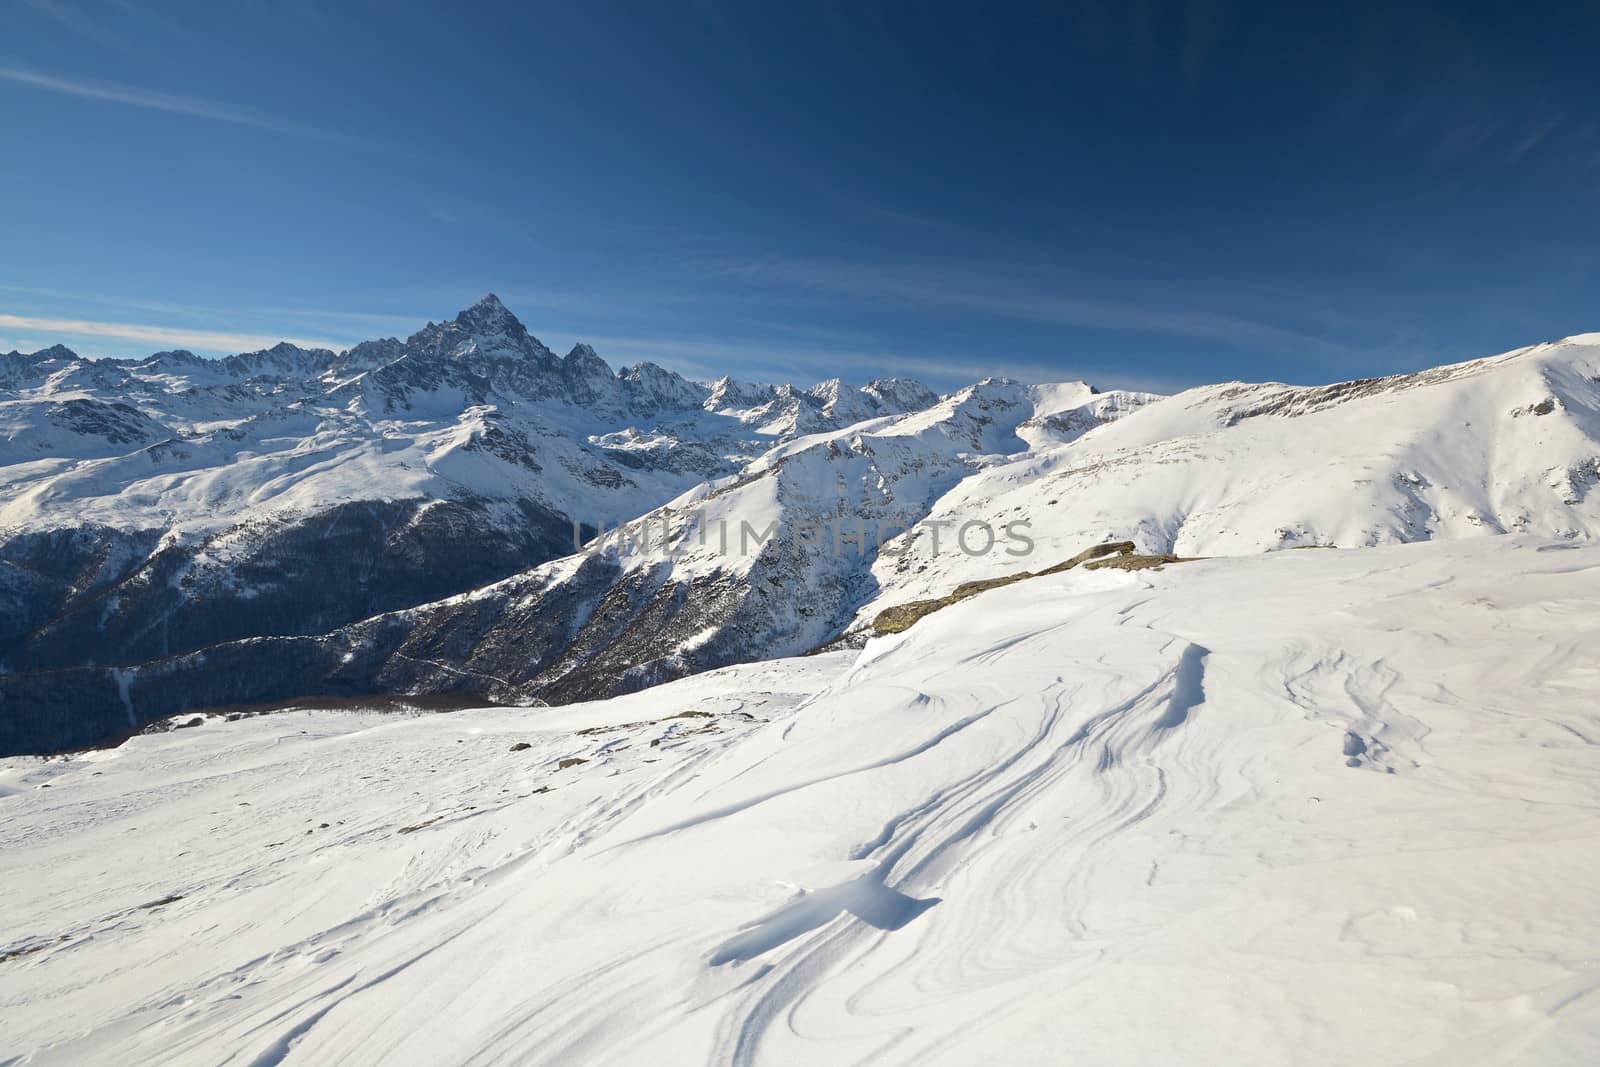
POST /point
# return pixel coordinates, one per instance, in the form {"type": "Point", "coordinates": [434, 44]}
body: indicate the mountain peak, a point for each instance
{"type": "Point", "coordinates": [728, 391]}
{"type": "Point", "coordinates": [490, 316]}
{"type": "Point", "coordinates": [170, 356]}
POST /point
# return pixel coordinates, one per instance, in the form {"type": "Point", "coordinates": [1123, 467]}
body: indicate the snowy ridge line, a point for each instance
{"type": "Point", "coordinates": [1505, 444]}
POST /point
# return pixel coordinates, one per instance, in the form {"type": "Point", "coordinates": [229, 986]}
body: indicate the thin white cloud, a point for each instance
{"type": "Point", "coordinates": [72, 18]}
{"type": "Point", "coordinates": [203, 340]}
{"type": "Point", "coordinates": [170, 102]}
{"type": "Point", "coordinates": [355, 325]}
{"type": "Point", "coordinates": [1003, 295]}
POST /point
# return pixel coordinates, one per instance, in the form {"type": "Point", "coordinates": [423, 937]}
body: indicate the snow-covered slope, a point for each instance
{"type": "Point", "coordinates": [1243, 810]}
{"type": "Point", "coordinates": [1505, 444]}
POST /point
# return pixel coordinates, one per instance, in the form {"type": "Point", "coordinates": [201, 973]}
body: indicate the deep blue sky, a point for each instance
{"type": "Point", "coordinates": [1136, 193]}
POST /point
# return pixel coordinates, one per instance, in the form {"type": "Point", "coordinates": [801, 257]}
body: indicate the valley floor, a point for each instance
{"type": "Point", "coordinates": [1315, 807]}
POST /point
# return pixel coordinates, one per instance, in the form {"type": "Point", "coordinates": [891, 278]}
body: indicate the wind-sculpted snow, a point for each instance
{"type": "Point", "coordinates": [1301, 807]}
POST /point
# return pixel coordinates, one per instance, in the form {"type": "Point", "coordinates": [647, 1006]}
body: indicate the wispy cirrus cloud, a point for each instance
{"type": "Point", "coordinates": [172, 103]}
{"type": "Point", "coordinates": [1067, 299]}
{"type": "Point", "coordinates": [74, 19]}
{"type": "Point", "coordinates": [202, 340]}
{"type": "Point", "coordinates": [351, 325]}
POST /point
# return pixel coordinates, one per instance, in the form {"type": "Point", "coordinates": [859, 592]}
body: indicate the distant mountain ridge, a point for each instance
{"type": "Point", "coordinates": [70, 427]}
{"type": "Point", "coordinates": [483, 354]}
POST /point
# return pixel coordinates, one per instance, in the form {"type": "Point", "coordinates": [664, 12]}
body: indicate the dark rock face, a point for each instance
{"type": "Point", "coordinates": [898, 395]}
{"type": "Point", "coordinates": [42, 574]}
{"type": "Point", "coordinates": [651, 390]}
{"type": "Point", "coordinates": [47, 711]}
{"type": "Point", "coordinates": [101, 634]}
{"type": "Point", "coordinates": [597, 632]}
{"type": "Point", "coordinates": [309, 577]}
{"type": "Point", "coordinates": [120, 424]}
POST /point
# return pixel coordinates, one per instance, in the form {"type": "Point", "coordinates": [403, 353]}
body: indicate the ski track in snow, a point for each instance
{"type": "Point", "coordinates": [1306, 807]}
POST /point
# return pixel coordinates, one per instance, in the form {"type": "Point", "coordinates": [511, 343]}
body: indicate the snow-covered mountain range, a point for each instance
{"type": "Point", "coordinates": [400, 517]}
{"type": "Point", "coordinates": [156, 507]}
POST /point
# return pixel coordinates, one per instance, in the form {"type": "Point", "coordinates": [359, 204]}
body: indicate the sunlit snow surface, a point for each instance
{"type": "Point", "coordinates": [1302, 807]}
